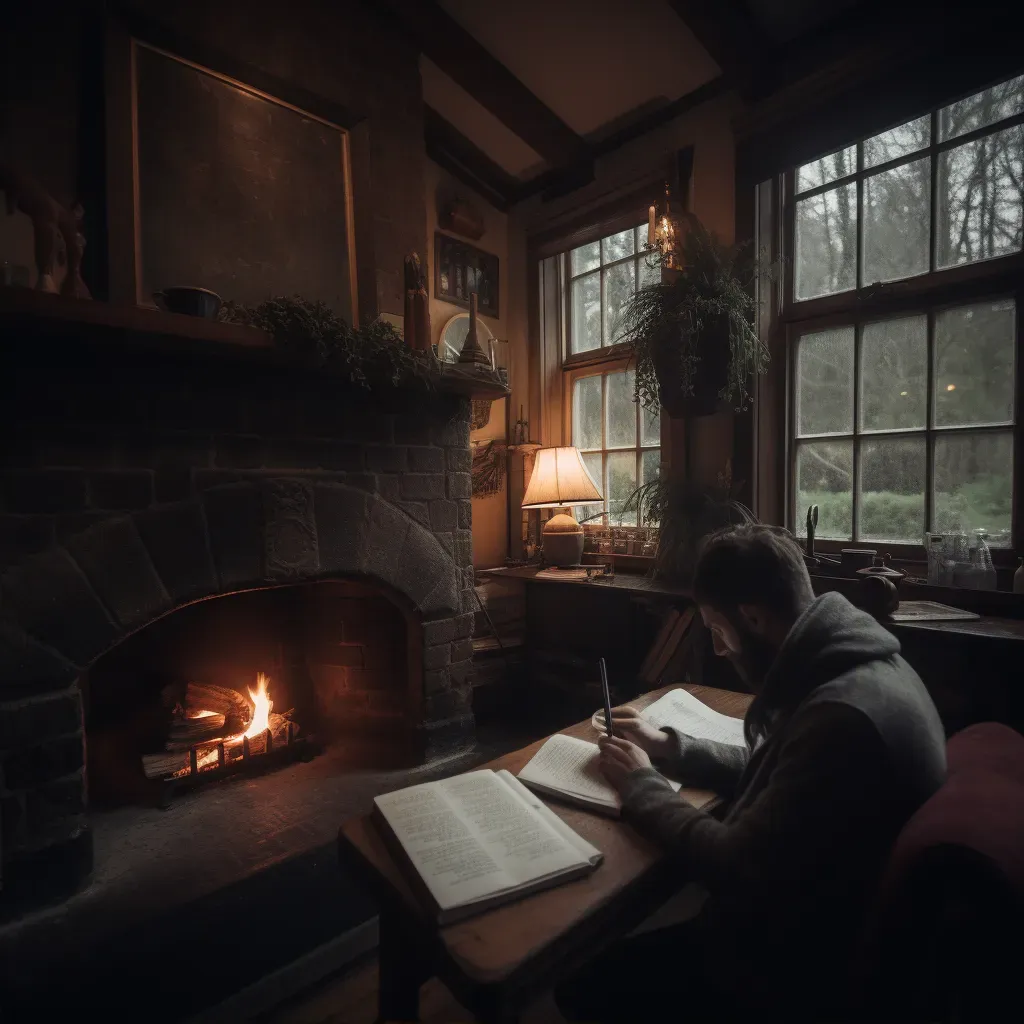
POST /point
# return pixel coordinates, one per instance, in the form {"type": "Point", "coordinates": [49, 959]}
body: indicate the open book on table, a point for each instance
{"type": "Point", "coordinates": [567, 768]}
{"type": "Point", "coordinates": [480, 839]}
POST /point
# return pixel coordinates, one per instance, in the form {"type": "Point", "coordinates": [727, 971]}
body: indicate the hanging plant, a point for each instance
{"type": "Point", "coordinates": [693, 334]}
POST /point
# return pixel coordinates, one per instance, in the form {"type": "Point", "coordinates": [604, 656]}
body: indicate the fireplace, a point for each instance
{"type": "Point", "coordinates": [250, 682]}
{"type": "Point", "coordinates": [203, 515]}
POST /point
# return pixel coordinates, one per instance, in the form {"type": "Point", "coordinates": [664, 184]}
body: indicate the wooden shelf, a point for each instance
{"type": "Point", "coordinates": [23, 310]}
{"type": "Point", "coordinates": [24, 307]}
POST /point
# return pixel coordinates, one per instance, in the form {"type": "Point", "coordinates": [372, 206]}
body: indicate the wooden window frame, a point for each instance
{"type": "Point", "coordinates": [929, 293]}
{"type": "Point", "coordinates": [602, 370]}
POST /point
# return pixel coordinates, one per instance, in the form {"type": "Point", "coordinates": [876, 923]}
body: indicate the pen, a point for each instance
{"type": "Point", "coordinates": [607, 698]}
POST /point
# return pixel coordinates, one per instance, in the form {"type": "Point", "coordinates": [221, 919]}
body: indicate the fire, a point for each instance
{"type": "Point", "coordinates": [262, 706]}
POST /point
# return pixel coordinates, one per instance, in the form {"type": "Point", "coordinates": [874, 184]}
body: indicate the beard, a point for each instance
{"type": "Point", "coordinates": [754, 658]}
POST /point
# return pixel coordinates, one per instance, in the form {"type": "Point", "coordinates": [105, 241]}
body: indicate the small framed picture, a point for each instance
{"type": "Point", "coordinates": [461, 269]}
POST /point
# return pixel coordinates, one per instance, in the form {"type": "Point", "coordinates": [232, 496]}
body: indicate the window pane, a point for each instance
{"type": "Point", "coordinates": [615, 247]}
{"type": "Point", "coordinates": [973, 484]}
{"type": "Point", "coordinates": [619, 285]}
{"type": "Point", "coordinates": [891, 490]}
{"type": "Point", "coordinates": [593, 462]}
{"type": "Point", "coordinates": [650, 425]}
{"type": "Point", "coordinates": [621, 484]}
{"type": "Point", "coordinates": [621, 427]}
{"type": "Point", "coordinates": [983, 108]}
{"type": "Point", "coordinates": [902, 141]}
{"type": "Point", "coordinates": [648, 274]}
{"type": "Point", "coordinates": [893, 371]}
{"type": "Point", "coordinates": [586, 413]}
{"type": "Point", "coordinates": [974, 349]}
{"type": "Point", "coordinates": [586, 314]}
{"type": "Point", "coordinates": [979, 211]}
{"type": "Point", "coordinates": [826, 243]}
{"type": "Point", "coordinates": [896, 222]}
{"type": "Point", "coordinates": [641, 236]}
{"type": "Point", "coordinates": [824, 477]}
{"type": "Point", "coordinates": [824, 392]}
{"type": "Point", "coordinates": [651, 468]}
{"type": "Point", "coordinates": [586, 257]}
{"type": "Point", "coordinates": [826, 169]}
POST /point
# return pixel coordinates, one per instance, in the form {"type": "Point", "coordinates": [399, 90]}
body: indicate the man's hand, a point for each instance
{"type": "Point", "coordinates": [627, 723]}
{"type": "Point", "coordinates": [619, 757]}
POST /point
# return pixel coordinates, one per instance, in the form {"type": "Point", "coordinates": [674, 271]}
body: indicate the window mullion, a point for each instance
{"type": "Point", "coordinates": [933, 211]}
{"type": "Point", "coordinates": [855, 465]}
{"type": "Point", "coordinates": [604, 431]}
{"type": "Point", "coordinates": [929, 420]}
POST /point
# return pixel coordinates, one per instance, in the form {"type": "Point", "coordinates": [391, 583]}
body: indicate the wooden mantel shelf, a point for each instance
{"type": "Point", "coordinates": [25, 311]}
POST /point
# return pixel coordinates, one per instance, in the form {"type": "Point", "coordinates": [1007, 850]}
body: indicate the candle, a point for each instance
{"type": "Point", "coordinates": [650, 226]}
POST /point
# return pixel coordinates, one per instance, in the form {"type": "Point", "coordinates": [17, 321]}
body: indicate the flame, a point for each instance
{"type": "Point", "coordinates": [262, 706]}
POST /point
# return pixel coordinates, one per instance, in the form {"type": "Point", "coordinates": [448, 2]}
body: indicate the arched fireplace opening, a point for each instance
{"type": "Point", "coordinates": [249, 682]}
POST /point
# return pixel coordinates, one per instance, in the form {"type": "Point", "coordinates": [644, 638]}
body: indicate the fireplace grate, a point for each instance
{"type": "Point", "coordinates": [208, 762]}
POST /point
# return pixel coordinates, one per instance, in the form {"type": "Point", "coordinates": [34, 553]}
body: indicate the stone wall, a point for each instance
{"type": "Point", "coordinates": [131, 486]}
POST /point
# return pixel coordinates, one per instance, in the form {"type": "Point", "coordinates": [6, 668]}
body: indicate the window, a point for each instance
{"type": "Point", "coordinates": [904, 401]}
{"type": "Point", "coordinates": [602, 276]}
{"type": "Point", "coordinates": [619, 440]}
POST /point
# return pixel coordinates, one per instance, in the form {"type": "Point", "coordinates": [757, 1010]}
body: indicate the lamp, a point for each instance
{"type": "Point", "coordinates": [560, 479]}
{"type": "Point", "coordinates": [663, 232]}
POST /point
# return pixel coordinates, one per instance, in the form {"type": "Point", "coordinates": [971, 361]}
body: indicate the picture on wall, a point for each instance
{"type": "Point", "coordinates": [461, 269]}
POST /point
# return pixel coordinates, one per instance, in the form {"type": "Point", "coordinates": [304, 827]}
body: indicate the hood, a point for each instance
{"type": "Point", "coordinates": [830, 638]}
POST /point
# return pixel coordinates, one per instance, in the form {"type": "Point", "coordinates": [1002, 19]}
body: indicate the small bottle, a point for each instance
{"type": "Point", "coordinates": [1018, 577]}
{"type": "Point", "coordinates": [934, 553]}
{"type": "Point", "coordinates": [986, 568]}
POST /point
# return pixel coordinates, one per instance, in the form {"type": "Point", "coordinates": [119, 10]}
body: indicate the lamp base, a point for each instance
{"type": "Point", "coordinates": [562, 539]}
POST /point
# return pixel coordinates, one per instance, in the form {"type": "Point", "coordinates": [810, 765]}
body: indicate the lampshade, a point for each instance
{"type": "Point", "coordinates": [560, 478]}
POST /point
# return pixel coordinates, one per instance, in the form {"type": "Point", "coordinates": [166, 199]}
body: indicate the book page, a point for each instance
{"type": "Point", "coordinates": [520, 840]}
{"type": "Point", "coordinates": [587, 850]}
{"type": "Point", "coordinates": [450, 859]}
{"type": "Point", "coordinates": [681, 710]}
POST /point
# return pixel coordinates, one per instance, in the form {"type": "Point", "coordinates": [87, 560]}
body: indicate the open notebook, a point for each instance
{"type": "Point", "coordinates": [567, 768]}
{"type": "Point", "coordinates": [478, 840]}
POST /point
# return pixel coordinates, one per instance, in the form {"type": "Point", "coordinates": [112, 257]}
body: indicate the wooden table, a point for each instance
{"type": "Point", "coordinates": [497, 962]}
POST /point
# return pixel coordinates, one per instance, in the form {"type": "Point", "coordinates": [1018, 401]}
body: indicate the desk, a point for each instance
{"type": "Point", "coordinates": [497, 962]}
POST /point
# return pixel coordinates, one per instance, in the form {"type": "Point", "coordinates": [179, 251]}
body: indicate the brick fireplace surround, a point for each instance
{"type": "Point", "coordinates": [138, 477]}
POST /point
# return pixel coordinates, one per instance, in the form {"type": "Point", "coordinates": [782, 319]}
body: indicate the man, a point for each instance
{"type": "Point", "coordinates": [843, 745]}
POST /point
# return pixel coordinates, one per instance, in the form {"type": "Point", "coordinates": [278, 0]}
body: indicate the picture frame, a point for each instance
{"type": "Point", "coordinates": [461, 269]}
{"type": "Point", "coordinates": [165, 110]}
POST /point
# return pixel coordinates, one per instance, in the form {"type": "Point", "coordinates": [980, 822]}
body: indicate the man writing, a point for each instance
{"type": "Point", "coordinates": [843, 745]}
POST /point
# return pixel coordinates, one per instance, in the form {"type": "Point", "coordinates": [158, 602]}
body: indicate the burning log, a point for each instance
{"type": "Point", "coordinates": [157, 766]}
{"type": "Point", "coordinates": [221, 700]}
{"type": "Point", "coordinates": [188, 731]}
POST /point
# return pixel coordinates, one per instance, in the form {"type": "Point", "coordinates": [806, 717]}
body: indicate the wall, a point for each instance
{"type": "Point", "coordinates": [645, 161]}
{"type": "Point", "coordinates": [344, 52]}
{"type": "Point", "coordinates": [490, 513]}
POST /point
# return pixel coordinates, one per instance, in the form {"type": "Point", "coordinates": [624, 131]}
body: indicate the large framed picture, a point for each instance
{"type": "Point", "coordinates": [461, 269]}
{"type": "Point", "coordinates": [215, 183]}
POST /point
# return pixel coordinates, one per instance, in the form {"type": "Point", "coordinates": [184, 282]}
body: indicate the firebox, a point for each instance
{"type": "Point", "coordinates": [250, 682]}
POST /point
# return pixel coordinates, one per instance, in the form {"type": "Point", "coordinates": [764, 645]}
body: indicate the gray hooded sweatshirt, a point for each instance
{"type": "Point", "coordinates": [853, 746]}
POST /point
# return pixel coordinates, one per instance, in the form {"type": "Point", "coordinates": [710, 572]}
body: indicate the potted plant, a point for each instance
{"type": "Point", "coordinates": [693, 334]}
{"type": "Point", "coordinates": [685, 513]}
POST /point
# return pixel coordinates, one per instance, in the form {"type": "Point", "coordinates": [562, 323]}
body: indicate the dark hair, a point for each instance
{"type": "Point", "coordinates": [752, 564]}
{"type": "Point", "coordinates": [759, 565]}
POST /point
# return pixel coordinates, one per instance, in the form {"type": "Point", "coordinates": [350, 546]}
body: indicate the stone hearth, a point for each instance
{"type": "Point", "coordinates": [136, 481]}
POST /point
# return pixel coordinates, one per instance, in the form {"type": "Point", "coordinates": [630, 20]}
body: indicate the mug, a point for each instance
{"type": "Point", "coordinates": [190, 301]}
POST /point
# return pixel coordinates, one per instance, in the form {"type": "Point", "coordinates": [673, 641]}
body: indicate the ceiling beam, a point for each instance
{"type": "Point", "coordinates": [727, 32]}
{"type": "Point", "coordinates": [442, 39]}
{"type": "Point", "coordinates": [463, 159]}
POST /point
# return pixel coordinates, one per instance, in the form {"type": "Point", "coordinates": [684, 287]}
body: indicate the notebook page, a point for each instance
{"type": "Point", "coordinates": [570, 765]}
{"type": "Point", "coordinates": [588, 850]}
{"type": "Point", "coordinates": [681, 710]}
{"type": "Point", "coordinates": [450, 859]}
{"type": "Point", "coordinates": [520, 840]}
